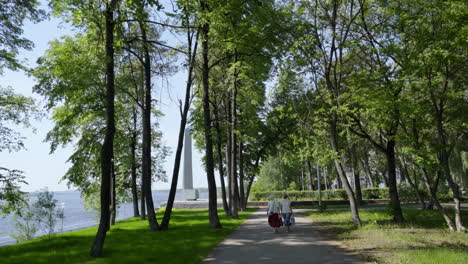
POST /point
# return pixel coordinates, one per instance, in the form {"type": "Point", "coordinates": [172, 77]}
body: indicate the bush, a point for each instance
{"type": "Point", "coordinates": [405, 193]}
{"type": "Point", "coordinates": [338, 194]}
{"type": "Point", "coordinates": [25, 225]}
{"type": "Point", "coordinates": [375, 193]}
{"type": "Point", "coordinates": [45, 211]}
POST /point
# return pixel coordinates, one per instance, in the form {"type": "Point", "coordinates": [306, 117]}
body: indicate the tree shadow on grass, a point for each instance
{"type": "Point", "coordinates": [422, 231]}
{"type": "Point", "coordinates": [188, 240]}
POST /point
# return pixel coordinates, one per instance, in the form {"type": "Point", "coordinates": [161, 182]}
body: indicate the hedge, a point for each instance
{"type": "Point", "coordinates": [405, 193]}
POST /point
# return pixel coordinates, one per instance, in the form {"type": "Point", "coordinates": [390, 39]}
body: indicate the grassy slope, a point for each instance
{"type": "Point", "coordinates": [189, 240]}
{"type": "Point", "coordinates": [423, 238]}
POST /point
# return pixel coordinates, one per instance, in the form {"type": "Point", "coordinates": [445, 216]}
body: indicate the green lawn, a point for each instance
{"type": "Point", "coordinates": [189, 240]}
{"type": "Point", "coordinates": [423, 238]}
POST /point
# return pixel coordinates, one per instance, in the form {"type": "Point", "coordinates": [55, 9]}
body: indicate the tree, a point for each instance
{"type": "Point", "coordinates": [45, 211]}
{"type": "Point", "coordinates": [322, 42]}
{"type": "Point", "coordinates": [13, 14]}
{"type": "Point", "coordinates": [25, 225]}
{"type": "Point", "coordinates": [436, 51]}
{"type": "Point", "coordinates": [10, 191]}
{"type": "Point", "coordinates": [14, 108]}
{"type": "Point", "coordinates": [107, 151]}
{"type": "Point", "coordinates": [212, 202]}
{"type": "Point", "coordinates": [192, 44]}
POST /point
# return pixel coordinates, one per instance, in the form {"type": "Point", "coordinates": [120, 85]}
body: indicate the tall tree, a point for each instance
{"type": "Point", "coordinates": [192, 44]}
{"type": "Point", "coordinates": [327, 26]}
{"type": "Point", "coordinates": [14, 108]}
{"type": "Point", "coordinates": [212, 202]}
{"type": "Point", "coordinates": [107, 151]}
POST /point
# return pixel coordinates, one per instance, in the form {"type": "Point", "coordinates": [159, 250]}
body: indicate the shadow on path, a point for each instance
{"type": "Point", "coordinates": [254, 242]}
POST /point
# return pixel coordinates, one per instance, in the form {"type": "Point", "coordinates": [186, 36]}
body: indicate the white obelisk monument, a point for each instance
{"type": "Point", "coordinates": [188, 192]}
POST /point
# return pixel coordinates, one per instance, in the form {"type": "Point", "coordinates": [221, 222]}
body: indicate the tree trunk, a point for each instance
{"type": "Point", "coordinates": [356, 175]}
{"type": "Point", "coordinates": [220, 162]}
{"type": "Point", "coordinates": [180, 143]}
{"type": "Point", "coordinates": [228, 150]}
{"type": "Point", "coordinates": [325, 176]}
{"type": "Point", "coordinates": [365, 166]}
{"type": "Point", "coordinates": [369, 181]}
{"type": "Point", "coordinates": [319, 187]}
{"type": "Point", "coordinates": [133, 143]}
{"type": "Point", "coordinates": [309, 176]}
{"type": "Point", "coordinates": [433, 194]}
{"type": "Point", "coordinates": [302, 178]}
{"type": "Point", "coordinates": [455, 190]}
{"type": "Point", "coordinates": [113, 198]}
{"type": "Point", "coordinates": [392, 184]}
{"type": "Point", "coordinates": [241, 177]}
{"type": "Point", "coordinates": [233, 153]}
{"type": "Point", "coordinates": [404, 171]}
{"type": "Point", "coordinates": [221, 170]}
{"type": "Point", "coordinates": [146, 168]}
{"type": "Point", "coordinates": [107, 150]}
{"type": "Point", "coordinates": [143, 204]}
{"type": "Point", "coordinates": [444, 162]}
{"type": "Point", "coordinates": [341, 172]}
{"type": "Point", "coordinates": [357, 185]}
{"type": "Point", "coordinates": [435, 186]}
{"type": "Point", "coordinates": [249, 186]}
{"type": "Point", "coordinates": [212, 201]}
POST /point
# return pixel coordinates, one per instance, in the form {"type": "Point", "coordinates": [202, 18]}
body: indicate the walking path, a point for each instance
{"type": "Point", "coordinates": [254, 242]}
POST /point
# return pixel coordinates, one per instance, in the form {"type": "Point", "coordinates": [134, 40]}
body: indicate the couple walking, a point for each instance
{"type": "Point", "coordinates": [274, 210]}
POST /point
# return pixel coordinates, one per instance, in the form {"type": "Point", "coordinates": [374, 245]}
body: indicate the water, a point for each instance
{"type": "Point", "coordinates": [76, 217]}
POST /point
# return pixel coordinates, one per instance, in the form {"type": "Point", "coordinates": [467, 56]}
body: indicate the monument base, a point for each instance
{"type": "Point", "coordinates": [190, 194]}
{"type": "Point", "coordinates": [192, 204]}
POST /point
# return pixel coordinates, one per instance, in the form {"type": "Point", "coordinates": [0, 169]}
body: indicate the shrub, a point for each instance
{"type": "Point", "coordinates": [405, 193]}
{"type": "Point", "coordinates": [45, 211]}
{"type": "Point", "coordinates": [338, 194]}
{"type": "Point", "coordinates": [25, 225]}
{"type": "Point", "coordinates": [374, 193]}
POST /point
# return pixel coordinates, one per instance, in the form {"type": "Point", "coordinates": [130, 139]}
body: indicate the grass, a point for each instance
{"type": "Point", "coordinates": [189, 240]}
{"type": "Point", "coordinates": [422, 239]}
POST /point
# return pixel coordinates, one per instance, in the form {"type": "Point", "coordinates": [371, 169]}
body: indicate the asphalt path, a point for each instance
{"type": "Point", "coordinates": [255, 242]}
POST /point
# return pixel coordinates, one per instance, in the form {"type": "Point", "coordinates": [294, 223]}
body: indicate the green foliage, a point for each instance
{"type": "Point", "coordinates": [25, 225]}
{"type": "Point", "coordinates": [275, 174]}
{"type": "Point", "coordinates": [189, 240]}
{"type": "Point", "coordinates": [13, 14]}
{"type": "Point", "coordinates": [70, 77]}
{"type": "Point", "coordinates": [11, 197]}
{"type": "Point", "coordinates": [45, 211]}
{"type": "Point", "coordinates": [17, 110]}
{"type": "Point", "coordinates": [405, 193]}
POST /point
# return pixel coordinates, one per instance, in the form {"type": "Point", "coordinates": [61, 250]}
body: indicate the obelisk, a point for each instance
{"type": "Point", "coordinates": [188, 191]}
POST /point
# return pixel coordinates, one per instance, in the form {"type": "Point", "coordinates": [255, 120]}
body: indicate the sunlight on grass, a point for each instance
{"type": "Point", "coordinates": [188, 240]}
{"type": "Point", "coordinates": [423, 238]}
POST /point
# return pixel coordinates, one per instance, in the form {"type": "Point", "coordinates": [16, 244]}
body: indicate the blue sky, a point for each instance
{"type": "Point", "coordinates": [44, 170]}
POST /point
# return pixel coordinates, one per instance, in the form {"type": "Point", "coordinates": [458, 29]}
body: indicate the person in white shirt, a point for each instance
{"type": "Point", "coordinates": [286, 210]}
{"type": "Point", "coordinates": [273, 213]}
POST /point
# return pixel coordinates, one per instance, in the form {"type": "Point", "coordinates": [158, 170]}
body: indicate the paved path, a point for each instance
{"type": "Point", "coordinates": [254, 242]}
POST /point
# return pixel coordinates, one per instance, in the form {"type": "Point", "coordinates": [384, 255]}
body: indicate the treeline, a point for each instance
{"type": "Point", "coordinates": [372, 88]}
{"type": "Point", "coordinates": [359, 85]}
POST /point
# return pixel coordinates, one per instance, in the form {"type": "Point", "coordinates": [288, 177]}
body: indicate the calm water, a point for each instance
{"type": "Point", "coordinates": [76, 216]}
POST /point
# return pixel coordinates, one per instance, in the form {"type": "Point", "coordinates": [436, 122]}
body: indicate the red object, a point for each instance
{"type": "Point", "coordinates": [274, 220]}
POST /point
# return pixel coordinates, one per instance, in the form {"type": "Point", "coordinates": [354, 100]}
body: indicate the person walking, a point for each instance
{"type": "Point", "coordinates": [286, 210]}
{"type": "Point", "coordinates": [273, 213]}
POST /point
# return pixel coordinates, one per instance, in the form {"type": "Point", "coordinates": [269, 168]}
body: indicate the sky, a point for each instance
{"type": "Point", "coordinates": [44, 170]}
